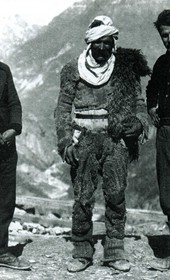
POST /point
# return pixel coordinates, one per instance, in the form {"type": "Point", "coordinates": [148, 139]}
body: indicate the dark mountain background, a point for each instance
{"type": "Point", "coordinates": [36, 64]}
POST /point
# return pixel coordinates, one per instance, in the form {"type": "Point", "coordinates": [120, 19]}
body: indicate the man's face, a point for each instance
{"type": "Point", "coordinates": [102, 49]}
{"type": "Point", "coordinates": [165, 35]}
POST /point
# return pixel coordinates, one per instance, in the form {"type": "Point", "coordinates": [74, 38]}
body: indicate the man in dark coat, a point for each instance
{"type": "Point", "coordinates": [10, 126]}
{"type": "Point", "coordinates": [158, 104]}
{"type": "Point", "coordinates": [103, 88]}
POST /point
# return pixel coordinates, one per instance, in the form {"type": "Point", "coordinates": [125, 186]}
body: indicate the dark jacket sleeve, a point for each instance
{"type": "Point", "coordinates": [14, 104]}
{"type": "Point", "coordinates": [63, 111]}
{"type": "Point", "coordinates": [152, 88]}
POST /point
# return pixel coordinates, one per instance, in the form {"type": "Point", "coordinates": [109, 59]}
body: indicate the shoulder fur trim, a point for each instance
{"type": "Point", "coordinates": [135, 59]}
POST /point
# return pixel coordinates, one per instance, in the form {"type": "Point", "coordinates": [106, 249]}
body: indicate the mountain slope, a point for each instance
{"type": "Point", "coordinates": [14, 31]}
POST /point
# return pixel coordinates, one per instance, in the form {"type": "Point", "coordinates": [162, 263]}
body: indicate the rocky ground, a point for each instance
{"type": "Point", "coordinates": [49, 255]}
{"type": "Point", "coordinates": [48, 249]}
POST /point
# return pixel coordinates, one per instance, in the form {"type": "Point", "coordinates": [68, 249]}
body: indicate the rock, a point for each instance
{"type": "Point", "coordinates": [15, 227]}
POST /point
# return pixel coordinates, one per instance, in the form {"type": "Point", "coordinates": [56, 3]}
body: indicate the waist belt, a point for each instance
{"type": "Point", "coordinates": [82, 116]}
{"type": "Point", "coordinates": [165, 121]}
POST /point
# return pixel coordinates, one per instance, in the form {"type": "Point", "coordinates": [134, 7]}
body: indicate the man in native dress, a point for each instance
{"type": "Point", "coordinates": [100, 116]}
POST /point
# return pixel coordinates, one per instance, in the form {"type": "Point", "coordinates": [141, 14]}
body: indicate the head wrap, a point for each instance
{"type": "Point", "coordinates": [89, 69]}
{"type": "Point", "coordinates": [105, 29]}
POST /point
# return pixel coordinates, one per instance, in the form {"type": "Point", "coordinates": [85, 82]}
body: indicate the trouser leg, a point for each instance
{"type": "Point", "coordinates": [114, 184]}
{"type": "Point", "coordinates": [7, 197]}
{"type": "Point", "coordinates": [84, 181]}
{"type": "Point", "coordinates": [163, 167]}
{"type": "Point", "coordinates": [163, 176]}
{"type": "Point", "coordinates": [82, 230]}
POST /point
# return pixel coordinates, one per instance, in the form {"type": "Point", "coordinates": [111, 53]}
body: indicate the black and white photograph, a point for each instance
{"type": "Point", "coordinates": [84, 138]}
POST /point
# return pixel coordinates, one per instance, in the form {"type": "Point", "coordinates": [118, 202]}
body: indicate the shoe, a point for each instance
{"type": "Point", "coordinates": [9, 260]}
{"type": "Point", "coordinates": [77, 265]}
{"type": "Point", "coordinates": [121, 265]}
{"type": "Point", "coordinates": [160, 264]}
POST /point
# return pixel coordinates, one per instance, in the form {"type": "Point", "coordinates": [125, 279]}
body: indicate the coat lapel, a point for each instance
{"type": "Point", "coordinates": [2, 81]}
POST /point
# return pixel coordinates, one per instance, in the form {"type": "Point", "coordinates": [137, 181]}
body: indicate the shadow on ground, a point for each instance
{"type": "Point", "coordinates": [160, 245]}
{"type": "Point", "coordinates": [17, 250]}
{"type": "Point", "coordinates": [49, 256]}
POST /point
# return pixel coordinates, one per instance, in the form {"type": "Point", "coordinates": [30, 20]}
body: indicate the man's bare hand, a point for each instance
{"type": "Point", "coordinates": [71, 156]}
{"type": "Point", "coordinates": [154, 116]}
{"type": "Point", "coordinates": [132, 129]}
{"type": "Point", "coordinates": [2, 142]}
{"type": "Point", "coordinates": [8, 136]}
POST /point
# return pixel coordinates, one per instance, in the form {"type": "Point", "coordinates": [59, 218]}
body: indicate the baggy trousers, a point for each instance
{"type": "Point", "coordinates": [98, 154]}
{"type": "Point", "coordinates": [7, 197]}
{"type": "Point", "coordinates": [163, 167]}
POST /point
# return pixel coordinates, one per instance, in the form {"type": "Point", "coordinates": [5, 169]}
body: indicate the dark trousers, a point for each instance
{"type": "Point", "coordinates": [163, 167]}
{"type": "Point", "coordinates": [98, 153]}
{"type": "Point", "coordinates": [7, 197]}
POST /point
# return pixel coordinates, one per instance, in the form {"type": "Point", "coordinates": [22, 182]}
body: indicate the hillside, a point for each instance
{"type": "Point", "coordinates": [36, 65]}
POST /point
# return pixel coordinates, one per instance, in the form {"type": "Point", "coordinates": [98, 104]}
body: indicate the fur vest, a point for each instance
{"type": "Point", "coordinates": [122, 104]}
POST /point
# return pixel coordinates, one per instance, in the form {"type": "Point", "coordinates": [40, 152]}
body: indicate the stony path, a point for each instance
{"type": "Point", "coordinates": [49, 256]}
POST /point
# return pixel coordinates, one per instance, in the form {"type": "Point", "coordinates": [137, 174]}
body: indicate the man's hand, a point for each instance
{"type": "Point", "coordinates": [132, 129]}
{"type": "Point", "coordinates": [154, 116]}
{"type": "Point", "coordinates": [71, 155]}
{"type": "Point", "coordinates": [8, 136]}
{"type": "Point", "coordinates": [2, 142]}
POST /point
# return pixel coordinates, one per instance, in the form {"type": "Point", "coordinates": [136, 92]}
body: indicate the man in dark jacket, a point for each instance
{"type": "Point", "coordinates": [10, 126]}
{"type": "Point", "coordinates": [158, 104]}
{"type": "Point", "coordinates": [103, 88]}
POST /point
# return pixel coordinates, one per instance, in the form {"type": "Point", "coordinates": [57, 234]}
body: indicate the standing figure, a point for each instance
{"type": "Point", "coordinates": [99, 116]}
{"type": "Point", "coordinates": [158, 105]}
{"type": "Point", "coordinates": [10, 126]}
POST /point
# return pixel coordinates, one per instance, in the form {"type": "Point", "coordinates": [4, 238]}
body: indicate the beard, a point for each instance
{"type": "Point", "coordinates": [101, 56]}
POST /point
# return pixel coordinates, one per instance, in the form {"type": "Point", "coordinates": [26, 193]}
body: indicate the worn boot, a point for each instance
{"type": "Point", "coordinates": [77, 265]}
{"type": "Point", "coordinates": [163, 263]}
{"type": "Point", "coordinates": [160, 264]}
{"type": "Point", "coordinates": [82, 256]}
{"type": "Point", "coordinates": [9, 260]}
{"type": "Point", "coordinates": [114, 254]}
{"type": "Point", "coordinates": [121, 265]}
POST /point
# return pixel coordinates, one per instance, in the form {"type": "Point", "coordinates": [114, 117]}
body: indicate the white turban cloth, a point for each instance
{"type": "Point", "coordinates": [105, 29]}
{"type": "Point", "coordinates": [89, 69]}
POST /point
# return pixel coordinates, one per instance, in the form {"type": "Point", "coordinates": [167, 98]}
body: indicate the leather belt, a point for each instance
{"type": "Point", "coordinates": [82, 116]}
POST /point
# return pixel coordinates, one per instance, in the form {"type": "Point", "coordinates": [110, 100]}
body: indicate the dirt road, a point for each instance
{"type": "Point", "coordinates": [49, 255]}
{"type": "Point", "coordinates": [43, 238]}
